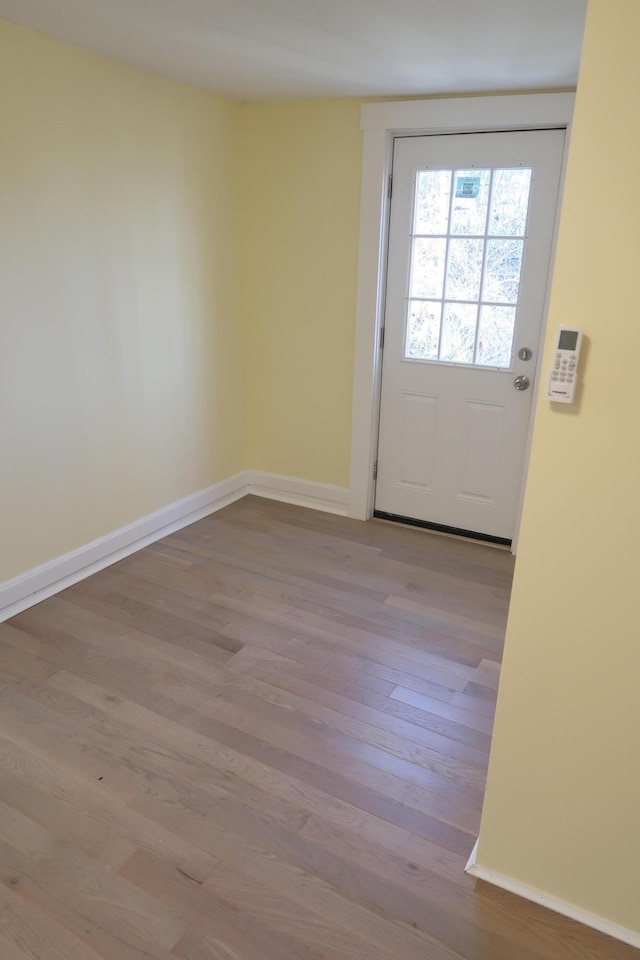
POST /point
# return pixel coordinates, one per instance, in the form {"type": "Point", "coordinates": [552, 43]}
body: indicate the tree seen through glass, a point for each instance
{"type": "Point", "coordinates": [466, 263]}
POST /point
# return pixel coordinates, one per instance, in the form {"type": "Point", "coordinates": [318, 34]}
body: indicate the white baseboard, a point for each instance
{"type": "Point", "coordinates": [30, 588]}
{"type": "Point", "coordinates": [471, 862]}
{"type": "Point", "coordinates": [302, 493]}
{"type": "Point", "coordinates": [43, 581]}
{"type": "Point", "coordinates": [475, 869]}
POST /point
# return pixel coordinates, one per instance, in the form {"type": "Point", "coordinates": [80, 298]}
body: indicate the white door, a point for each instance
{"type": "Point", "coordinates": [470, 234]}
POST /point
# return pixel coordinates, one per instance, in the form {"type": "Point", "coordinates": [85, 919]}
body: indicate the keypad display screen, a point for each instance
{"type": "Point", "coordinates": [568, 340]}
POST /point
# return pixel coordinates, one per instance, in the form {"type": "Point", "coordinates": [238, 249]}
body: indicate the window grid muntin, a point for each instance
{"type": "Point", "coordinates": [486, 237]}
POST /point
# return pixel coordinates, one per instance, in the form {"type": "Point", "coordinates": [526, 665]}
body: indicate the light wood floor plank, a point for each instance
{"type": "Point", "coordinates": [98, 906]}
{"type": "Point", "coordinates": [223, 700]}
{"type": "Point", "coordinates": [35, 933]}
{"type": "Point", "coordinates": [215, 749]}
{"type": "Point", "coordinates": [264, 737]}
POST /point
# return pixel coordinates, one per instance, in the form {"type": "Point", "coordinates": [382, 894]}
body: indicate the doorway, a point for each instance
{"type": "Point", "coordinates": [471, 228]}
{"type": "Point", "coordinates": [382, 123]}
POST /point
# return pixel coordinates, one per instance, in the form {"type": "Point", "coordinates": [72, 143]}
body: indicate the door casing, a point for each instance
{"type": "Point", "coordinates": [380, 123]}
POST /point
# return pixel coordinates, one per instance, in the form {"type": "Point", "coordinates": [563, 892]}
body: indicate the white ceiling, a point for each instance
{"type": "Point", "coordinates": [283, 49]}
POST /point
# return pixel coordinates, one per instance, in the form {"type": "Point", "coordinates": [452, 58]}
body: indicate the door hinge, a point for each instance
{"type": "Point", "coordinates": [375, 470]}
{"type": "Point", "coordinates": [390, 187]}
{"type": "Point", "coordinates": [382, 338]}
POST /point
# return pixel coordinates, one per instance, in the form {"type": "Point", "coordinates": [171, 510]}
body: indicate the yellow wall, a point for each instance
{"type": "Point", "coordinates": [144, 227]}
{"type": "Point", "coordinates": [302, 200]}
{"type": "Point", "coordinates": [562, 808]}
{"type": "Point", "coordinates": [120, 342]}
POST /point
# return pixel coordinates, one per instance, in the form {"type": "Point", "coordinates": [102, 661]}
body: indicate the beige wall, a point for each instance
{"type": "Point", "coordinates": [302, 201]}
{"type": "Point", "coordinates": [563, 797]}
{"type": "Point", "coordinates": [121, 370]}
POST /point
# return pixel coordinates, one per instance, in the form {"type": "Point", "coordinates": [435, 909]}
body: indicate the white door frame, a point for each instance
{"type": "Point", "coordinates": [380, 123]}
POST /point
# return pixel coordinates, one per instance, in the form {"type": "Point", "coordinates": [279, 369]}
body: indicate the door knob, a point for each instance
{"type": "Point", "coordinates": [521, 383]}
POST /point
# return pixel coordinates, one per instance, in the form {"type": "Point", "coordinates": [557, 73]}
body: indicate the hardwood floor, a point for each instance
{"type": "Point", "coordinates": [262, 738]}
